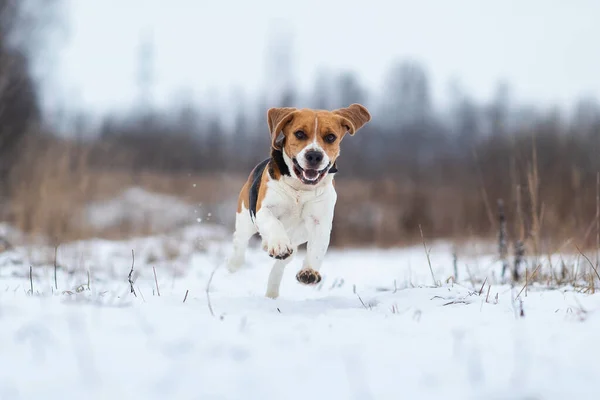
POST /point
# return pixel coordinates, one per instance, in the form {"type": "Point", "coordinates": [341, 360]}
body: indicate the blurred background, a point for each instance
{"type": "Point", "coordinates": [131, 117]}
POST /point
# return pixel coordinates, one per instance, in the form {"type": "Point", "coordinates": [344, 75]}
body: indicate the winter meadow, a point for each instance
{"type": "Point", "coordinates": [464, 260]}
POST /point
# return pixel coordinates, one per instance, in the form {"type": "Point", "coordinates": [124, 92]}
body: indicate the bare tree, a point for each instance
{"type": "Point", "coordinates": [408, 95]}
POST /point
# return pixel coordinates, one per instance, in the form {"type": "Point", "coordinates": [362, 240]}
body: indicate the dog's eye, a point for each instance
{"type": "Point", "coordinates": [300, 135]}
{"type": "Point", "coordinates": [330, 138]}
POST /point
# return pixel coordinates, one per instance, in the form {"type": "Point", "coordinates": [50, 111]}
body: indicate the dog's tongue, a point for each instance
{"type": "Point", "coordinates": [310, 174]}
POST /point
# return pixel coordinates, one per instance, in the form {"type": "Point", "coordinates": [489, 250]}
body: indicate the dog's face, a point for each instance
{"type": "Point", "coordinates": [311, 138]}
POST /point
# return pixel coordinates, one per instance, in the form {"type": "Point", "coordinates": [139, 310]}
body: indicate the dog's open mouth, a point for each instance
{"type": "Point", "coordinates": [309, 176]}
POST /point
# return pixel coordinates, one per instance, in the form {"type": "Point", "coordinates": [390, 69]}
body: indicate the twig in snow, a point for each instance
{"type": "Point", "coordinates": [362, 302]}
{"type": "Point", "coordinates": [334, 284]}
{"type": "Point", "coordinates": [521, 311]}
{"type": "Point", "coordinates": [455, 302]}
{"type": "Point", "coordinates": [129, 278]}
{"type": "Point", "coordinates": [185, 297]}
{"type": "Point", "coordinates": [156, 281]}
{"type": "Point", "coordinates": [487, 297]}
{"type": "Point", "coordinates": [528, 280]}
{"type": "Point", "coordinates": [427, 254]}
{"type": "Point", "coordinates": [208, 290]}
{"type": "Point", "coordinates": [141, 294]}
{"type": "Point", "coordinates": [481, 290]}
{"type": "Point", "coordinates": [31, 278]}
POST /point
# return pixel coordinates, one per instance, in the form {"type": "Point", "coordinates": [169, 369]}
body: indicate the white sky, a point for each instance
{"type": "Point", "coordinates": [546, 49]}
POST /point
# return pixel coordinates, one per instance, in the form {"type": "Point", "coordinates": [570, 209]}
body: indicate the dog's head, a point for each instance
{"type": "Point", "coordinates": [311, 138]}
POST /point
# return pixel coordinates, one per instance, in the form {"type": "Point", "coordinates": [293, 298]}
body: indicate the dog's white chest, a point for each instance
{"type": "Point", "coordinates": [291, 210]}
{"type": "Point", "coordinates": [297, 208]}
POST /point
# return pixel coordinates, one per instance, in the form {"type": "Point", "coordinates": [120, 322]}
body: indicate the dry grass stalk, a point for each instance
{"type": "Point", "coordinates": [156, 282]}
{"type": "Point", "coordinates": [141, 294]}
{"type": "Point", "coordinates": [521, 311]}
{"type": "Point", "coordinates": [362, 302]}
{"type": "Point", "coordinates": [528, 280]}
{"type": "Point", "coordinates": [208, 290]}
{"type": "Point", "coordinates": [592, 286]}
{"type": "Point", "coordinates": [31, 279]}
{"type": "Point", "coordinates": [435, 283]}
{"type": "Point", "coordinates": [482, 286]}
{"type": "Point", "coordinates": [129, 277]}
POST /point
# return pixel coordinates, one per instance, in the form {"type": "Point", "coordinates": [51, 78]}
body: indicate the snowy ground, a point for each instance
{"type": "Point", "coordinates": [376, 327]}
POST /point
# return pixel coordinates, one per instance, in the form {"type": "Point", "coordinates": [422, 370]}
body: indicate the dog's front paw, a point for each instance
{"type": "Point", "coordinates": [308, 276]}
{"type": "Point", "coordinates": [280, 248]}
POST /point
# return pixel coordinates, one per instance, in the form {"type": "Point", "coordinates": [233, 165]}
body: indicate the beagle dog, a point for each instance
{"type": "Point", "coordinates": [290, 197]}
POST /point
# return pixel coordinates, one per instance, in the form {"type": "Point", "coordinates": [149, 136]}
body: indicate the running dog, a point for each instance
{"type": "Point", "coordinates": [289, 198]}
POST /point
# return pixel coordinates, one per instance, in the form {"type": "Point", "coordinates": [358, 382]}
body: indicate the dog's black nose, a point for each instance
{"type": "Point", "coordinates": [313, 158]}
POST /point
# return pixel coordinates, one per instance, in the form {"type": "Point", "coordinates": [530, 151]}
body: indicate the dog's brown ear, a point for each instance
{"type": "Point", "coordinates": [354, 117]}
{"type": "Point", "coordinates": [277, 117]}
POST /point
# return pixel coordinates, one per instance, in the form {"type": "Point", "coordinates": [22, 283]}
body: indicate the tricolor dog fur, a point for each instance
{"type": "Point", "coordinates": [289, 198]}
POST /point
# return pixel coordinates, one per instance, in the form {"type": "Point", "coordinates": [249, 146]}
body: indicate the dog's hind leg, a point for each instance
{"type": "Point", "coordinates": [276, 275]}
{"type": "Point", "coordinates": [244, 229]}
